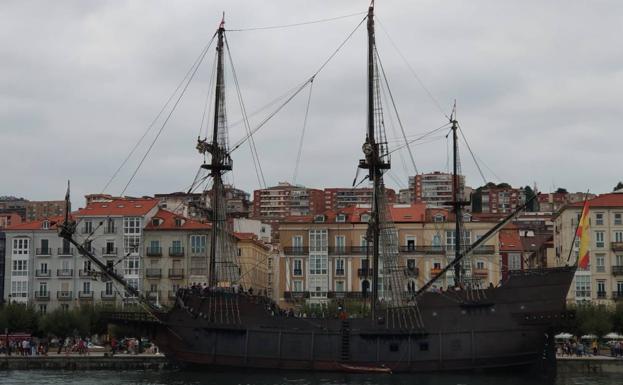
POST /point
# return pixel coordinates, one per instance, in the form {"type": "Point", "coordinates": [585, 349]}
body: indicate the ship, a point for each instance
{"type": "Point", "coordinates": [466, 327]}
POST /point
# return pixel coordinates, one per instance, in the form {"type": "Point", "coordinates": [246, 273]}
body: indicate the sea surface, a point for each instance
{"type": "Point", "coordinates": [177, 377]}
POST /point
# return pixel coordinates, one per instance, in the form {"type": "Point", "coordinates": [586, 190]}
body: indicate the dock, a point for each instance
{"type": "Point", "coordinates": [589, 364]}
{"type": "Point", "coordinates": [97, 361]}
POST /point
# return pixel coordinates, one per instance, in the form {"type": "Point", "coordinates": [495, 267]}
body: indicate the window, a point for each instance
{"type": "Point", "coordinates": [583, 286]}
{"type": "Point", "coordinates": [45, 225]}
{"type": "Point", "coordinates": [480, 265]}
{"type": "Point", "coordinates": [317, 240]}
{"type": "Point", "coordinates": [618, 236]}
{"type": "Point", "coordinates": [155, 222]}
{"type": "Point", "coordinates": [65, 307]}
{"type": "Point", "coordinates": [131, 266]}
{"type": "Point", "coordinates": [317, 264]}
{"type": "Point", "coordinates": [198, 244]}
{"type": "Point", "coordinates": [411, 264]}
{"type": "Point", "coordinates": [339, 266]}
{"type": "Point", "coordinates": [617, 219]}
{"type": "Point", "coordinates": [365, 218]}
{"type": "Point", "coordinates": [297, 243]}
{"type": "Point", "coordinates": [88, 227]}
{"type": "Point", "coordinates": [340, 218]}
{"type": "Point", "coordinates": [340, 244]}
{"type": "Point", "coordinates": [43, 267]}
{"type": "Point", "coordinates": [43, 289]}
{"type": "Point", "coordinates": [178, 222]}
{"type": "Point", "coordinates": [599, 218]}
{"type": "Point", "coordinates": [601, 288]}
{"type": "Point", "coordinates": [19, 289]}
{"type": "Point", "coordinates": [109, 288]}
{"type": "Point", "coordinates": [410, 243]}
{"type": "Point", "coordinates": [439, 218]}
{"type": "Point", "coordinates": [599, 239]}
{"type": "Point", "coordinates": [436, 242]}
{"type": "Point", "coordinates": [86, 287]}
{"type": "Point", "coordinates": [319, 218]}
{"type": "Point", "coordinates": [297, 285]}
{"type": "Point", "coordinates": [110, 247]}
{"type": "Point", "coordinates": [514, 262]}
{"type": "Point", "coordinates": [618, 260]}
{"type": "Point", "coordinates": [86, 265]}
{"type": "Point", "coordinates": [600, 263]}
{"type": "Point", "coordinates": [339, 285]}
{"type": "Point", "coordinates": [297, 267]}
{"type": "Point", "coordinates": [131, 234]}
{"type": "Point", "coordinates": [43, 308]}
{"type": "Point", "coordinates": [20, 268]}
{"type": "Point", "coordinates": [176, 246]}
{"type": "Point", "coordinates": [619, 288]}
{"type": "Point", "coordinates": [20, 246]}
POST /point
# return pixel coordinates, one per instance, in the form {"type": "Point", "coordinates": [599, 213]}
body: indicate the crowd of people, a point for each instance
{"type": "Point", "coordinates": [24, 347]}
{"type": "Point", "coordinates": [579, 348]}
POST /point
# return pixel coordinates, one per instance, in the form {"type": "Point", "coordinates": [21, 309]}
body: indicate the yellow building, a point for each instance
{"type": "Point", "coordinates": [326, 256]}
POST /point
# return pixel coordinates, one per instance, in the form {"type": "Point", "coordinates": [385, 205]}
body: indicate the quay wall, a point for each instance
{"type": "Point", "coordinates": [588, 365]}
{"type": "Point", "coordinates": [151, 362]}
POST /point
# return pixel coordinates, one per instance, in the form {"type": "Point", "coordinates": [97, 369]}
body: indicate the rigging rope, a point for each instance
{"type": "Point", "coordinates": [190, 78]}
{"type": "Point", "coordinates": [207, 108]}
{"type": "Point", "coordinates": [254, 154]}
{"type": "Point", "coordinates": [391, 97]}
{"type": "Point", "coordinates": [472, 153]}
{"type": "Point", "coordinates": [298, 158]}
{"type": "Point", "coordinates": [420, 137]}
{"type": "Point", "coordinates": [151, 125]}
{"type": "Point", "coordinates": [296, 24]}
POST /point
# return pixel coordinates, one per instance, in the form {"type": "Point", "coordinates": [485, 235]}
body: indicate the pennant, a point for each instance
{"type": "Point", "coordinates": [583, 235]}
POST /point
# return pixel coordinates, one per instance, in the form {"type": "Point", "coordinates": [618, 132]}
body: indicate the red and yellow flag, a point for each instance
{"type": "Point", "coordinates": [583, 235]}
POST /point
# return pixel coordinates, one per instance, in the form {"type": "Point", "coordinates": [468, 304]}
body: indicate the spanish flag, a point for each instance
{"type": "Point", "coordinates": [584, 235]}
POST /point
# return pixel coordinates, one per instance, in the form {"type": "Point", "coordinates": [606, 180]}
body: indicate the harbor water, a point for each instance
{"type": "Point", "coordinates": [179, 377]}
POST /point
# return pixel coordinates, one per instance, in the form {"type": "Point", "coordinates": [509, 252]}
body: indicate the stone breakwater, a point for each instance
{"type": "Point", "coordinates": [90, 362]}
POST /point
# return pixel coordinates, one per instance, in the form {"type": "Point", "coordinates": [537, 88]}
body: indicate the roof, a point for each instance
{"type": "Point", "coordinates": [412, 213]}
{"type": "Point", "coordinates": [509, 239]}
{"type": "Point", "coordinates": [118, 207]}
{"type": "Point", "coordinates": [36, 225]}
{"type": "Point", "coordinates": [535, 242]}
{"type": "Point", "coordinates": [167, 222]}
{"type": "Point", "coordinates": [614, 199]}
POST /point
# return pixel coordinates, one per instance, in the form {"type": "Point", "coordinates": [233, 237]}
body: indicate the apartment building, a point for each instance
{"type": "Point", "coordinates": [602, 281]}
{"type": "Point", "coordinates": [31, 210]}
{"type": "Point", "coordinates": [47, 271]}
{"type": "Point", "coordinates": [434, 189]}
{"type": "Point", "coordinates": [325, 255]}
{"type": "Point", "coordinates": [336, 198]}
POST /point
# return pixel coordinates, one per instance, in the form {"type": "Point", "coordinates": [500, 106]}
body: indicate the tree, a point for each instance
{"type": "Point", "coordinates": [618, 186]}
{"type": "Point", "coordinates": [561, 190]}
{"type": "Point", "coordinates": [19, 318]}
{"type": "Point", "coordinates": [534, 204]}
{"type": "Point", "coordinates": [503, 185]}
{"type": "Point", "coordinates": [477, 200]}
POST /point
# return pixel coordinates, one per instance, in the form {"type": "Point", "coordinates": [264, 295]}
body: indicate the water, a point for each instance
{"type": "Point", "coordinates": [43, 377]}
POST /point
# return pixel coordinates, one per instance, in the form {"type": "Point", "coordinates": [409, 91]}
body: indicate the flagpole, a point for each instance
{"type": "Point", "coordinates": [575, 233]}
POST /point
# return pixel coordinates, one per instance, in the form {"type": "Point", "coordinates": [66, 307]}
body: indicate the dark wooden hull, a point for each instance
{"type": "Point", "coordinates": [508, 326]}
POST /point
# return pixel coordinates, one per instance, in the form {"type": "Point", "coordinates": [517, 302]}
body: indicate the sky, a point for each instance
{"type": "Point", "coordinates": [538, 87]}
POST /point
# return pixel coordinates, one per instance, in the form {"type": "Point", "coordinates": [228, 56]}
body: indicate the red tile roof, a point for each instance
{"type": "Point", "coordinates": [603, 200]}
{"type": "Point", "coordinates": [36, 225]}
{"type": "Point", "coordinates": [510, 239]}
{"type": "Point", "coordinates": [415, 212]}
{"type": "Point", "coordinates": [118, 207]}
{"type": "Point", "coordinates": [167, 222]}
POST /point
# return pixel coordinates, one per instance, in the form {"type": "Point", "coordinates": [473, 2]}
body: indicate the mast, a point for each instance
{"type": "Point", "coordinates": [456, 203]}
{"type": "Point", "coordinates": [220, 161]}
{"type": "Point", "coordinates": [374, 162]}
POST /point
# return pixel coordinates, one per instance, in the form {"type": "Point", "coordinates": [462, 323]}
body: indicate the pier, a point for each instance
{"type": "Point", "coordinates": [97, 361]}
{"type": "Point", "coordinates": [590, 365]}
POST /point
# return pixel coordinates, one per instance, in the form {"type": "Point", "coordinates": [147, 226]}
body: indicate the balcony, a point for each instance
{"type": "Point", "coordinates": [617, 295]}
{"type": "Point", "coordinates": [198, 271]}
{"type": "Point", "coordinates": [65, 273]}
{"type": "Point", "coordinates": [64, 295]}
{"type": "Point", "coordinates": [176, 251]}
{"type": "Point", "coordinates": [85, 294]}
{"type": "Point", "coordinates": [345, 294]}
{"type": "Point", "coordinates": [416, 249]}
{"type": "Point", "coordinates": [295, 295]}
{"type": "Point", "coordinates": [153, 273]}
{"type": "Point", "coordinates": [412, 272]}
{"type": "Point", "coordinates": [45, 252]}
{"type": "Point", "coordinates": [109, 251]}
{"type": "Point", "coordinates": [65, 252]}
{"type": "Point", "coordinates": [297, 250]}
{"type": "Point", "coordinates": [108, 296]}
{"type": "Point", "coordinates": [365, 272]}
{"type": "Point", "coordinates": [153, 295]}
{"type": "Point", "coordinates": [617, 270]}
{"type": "Point", "coordinates": [583, 294]}
{"type": "Point", "coordinates": [601, 295]}
{"type": "Point", "coordinates": [153, 251]}
{"type": "Point", "coordinates": [339, 272]}
{"type": "Point", "coordinates": [484, 250]}
{"type": "Point", "coordinates": [86, 273]}
{"type": "Point", "coordinates": [176, 273]}
{"type": "Point", "coordinates": [480, 273]}
{"type": "Point", "coordinates": [42, 295]}
{"type": "Point", "coordinates": [43, 273]}
{"type": "Point", "coordinates": [616, 246]}
{"type": "Point", "coordinates": [435, 272]}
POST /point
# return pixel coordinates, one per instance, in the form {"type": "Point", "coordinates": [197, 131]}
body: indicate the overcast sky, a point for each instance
{"type": "Point", "coordinates": [539, 87]}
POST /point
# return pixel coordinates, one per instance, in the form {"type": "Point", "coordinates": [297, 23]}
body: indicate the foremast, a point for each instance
{"type": "Point", "coordinates": [376, 159]}
{"type": "Point", "coordinates": [220, 161]}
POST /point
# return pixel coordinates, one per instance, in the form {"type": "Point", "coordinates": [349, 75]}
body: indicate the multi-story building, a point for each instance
{"type": "Point", "coordinates": [434, 189]}
{"type": "Point", "coordinates": [552, 202]}
{"type": "Point", "coordinates": [602, 281]}
{"type": "Point", "coordinates": [11, 204]}
{"type": "Point", "coordinates": [500, 199]}
{"type": "Point", "coordinates": [177, 250]}
{"type": "Point", "coordinates": [188, 205]}
{"type": "Point", "coordinates": [405, 196]}
{"type": "Point", "coordinates": [261, 230]}
{"type": "Point", "coordinates": [340, 197]}
{"type": "Point", "coordinates": [47, 271]}
{"type": "Point", "coordinates": [273, 204]}
{"type": "Point", "coordinates": [238, 202]}
{"type": "Point", "coordinates": [31, 210]}
{"type": "Point", "coordinates": [325, 255]}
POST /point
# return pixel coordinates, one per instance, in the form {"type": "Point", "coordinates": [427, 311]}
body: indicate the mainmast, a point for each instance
{"type": "Point", "coordinates": [374, 161]}
{"type": "Point", "coordinates": [457, 202]}
{"type": "Point", "coordinates": [221, 161]}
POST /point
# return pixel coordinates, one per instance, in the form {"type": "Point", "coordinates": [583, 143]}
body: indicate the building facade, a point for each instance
{"type": "Point", "coordinates": [325, 256]}
{"type": "Point", "coordinates": [338, 198]}
{"type": "Point", "coordinates": [602, 281]}
{"type": "Point", "coordinates": [434, 189]}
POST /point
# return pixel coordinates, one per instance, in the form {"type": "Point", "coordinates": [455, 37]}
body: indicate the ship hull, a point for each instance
{"type": "Point", "coordinates": [508, 326]}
